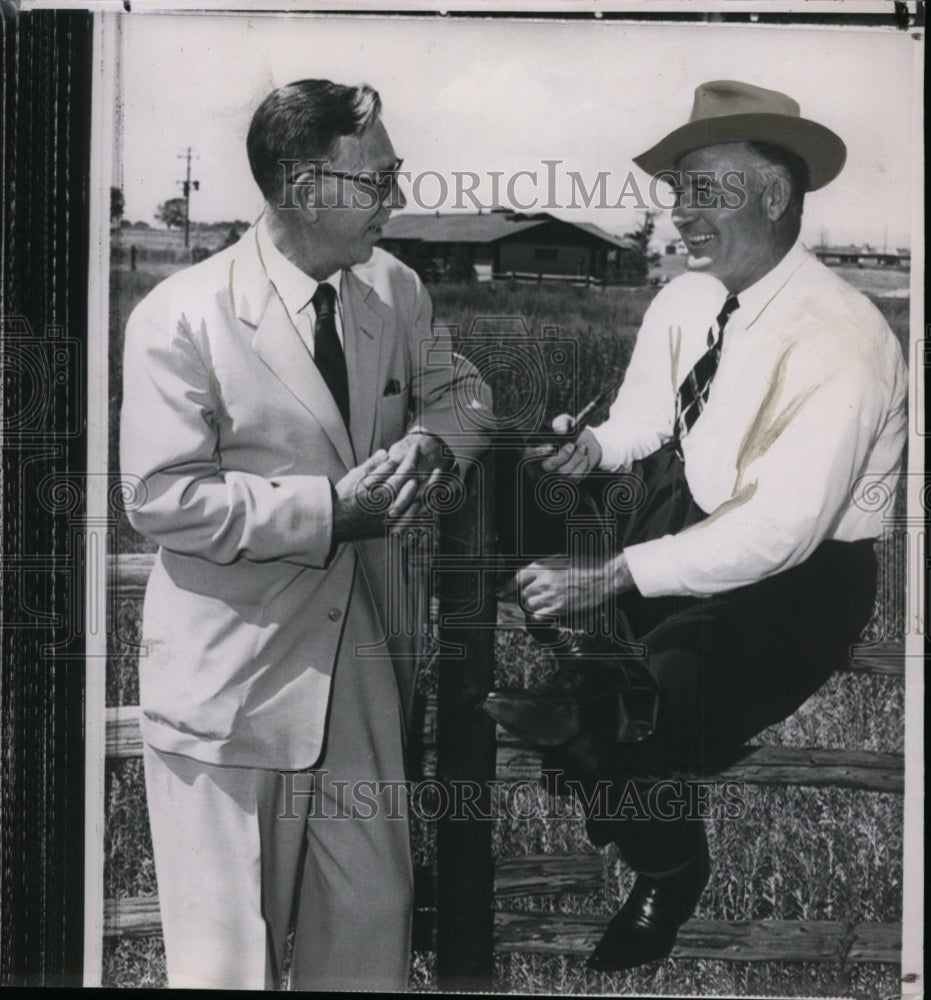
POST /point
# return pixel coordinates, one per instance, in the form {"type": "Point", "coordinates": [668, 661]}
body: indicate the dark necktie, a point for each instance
{"type": "Point", "coordinates": [693, 393]}
{"type": "Point", "coordinates": [328, 352]}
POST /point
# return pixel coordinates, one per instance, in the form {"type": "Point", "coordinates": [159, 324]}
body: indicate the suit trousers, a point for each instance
{"type": "Point", "coordinates": [726, 666]}
{"type": "Point", "coordinates": [243, 856]}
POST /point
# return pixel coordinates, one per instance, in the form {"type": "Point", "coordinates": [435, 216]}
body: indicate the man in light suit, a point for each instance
{"type": "Point", "coordinates": [265, 390]}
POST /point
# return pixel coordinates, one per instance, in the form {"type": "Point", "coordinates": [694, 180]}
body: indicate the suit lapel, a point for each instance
{"type": "Point", "coordinates": [278, 344]}
{"type": "Point", "coordinates": [364, 345]}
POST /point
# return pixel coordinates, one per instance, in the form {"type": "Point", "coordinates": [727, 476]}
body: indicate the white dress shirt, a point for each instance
{"type": "Point", "coordinates": [809, 398]}
{"type": "Point", "coordinates": [296, 288]}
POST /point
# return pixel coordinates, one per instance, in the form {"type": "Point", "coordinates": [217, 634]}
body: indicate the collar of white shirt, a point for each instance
{"type": "Point", "coordinates": [295, 287]}
{"type": "Point", "coordinates": [756, 298]}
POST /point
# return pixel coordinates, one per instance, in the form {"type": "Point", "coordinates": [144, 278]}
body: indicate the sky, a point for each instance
{"type": "Point", "coordinates": [500, 96]}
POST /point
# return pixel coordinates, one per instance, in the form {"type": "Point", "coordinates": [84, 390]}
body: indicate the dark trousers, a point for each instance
{"type": "Point", "coordinates": [726, 666]}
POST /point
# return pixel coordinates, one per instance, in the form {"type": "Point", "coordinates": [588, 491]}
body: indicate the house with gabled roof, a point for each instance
{"type": "Point", "coordinates": [517, 245]}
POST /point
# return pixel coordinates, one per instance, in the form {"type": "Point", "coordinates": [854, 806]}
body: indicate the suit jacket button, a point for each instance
{"type": "Point", "coordinates": [334, 614]}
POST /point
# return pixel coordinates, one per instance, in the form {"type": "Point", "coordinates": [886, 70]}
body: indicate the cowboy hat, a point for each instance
{"type": "Point", "coordinates": [730, 111]}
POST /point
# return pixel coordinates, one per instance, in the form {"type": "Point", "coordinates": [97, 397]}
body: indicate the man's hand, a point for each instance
{"type": "Point", "coordinates": [396, 478]}
{"type": "Point", "coordinates": [575, 458]}
{"type": "Point", "coordinates": [554, 587]}
{"type": "Point", "coordinates": [420, 461]}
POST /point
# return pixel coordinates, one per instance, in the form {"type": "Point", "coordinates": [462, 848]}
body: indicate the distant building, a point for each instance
{"type": "Point", "coordinates": [502, 243]}
{"type": "Point", "coordinates": [865, 254]}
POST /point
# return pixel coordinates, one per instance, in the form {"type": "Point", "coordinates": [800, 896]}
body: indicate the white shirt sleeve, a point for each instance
{"type": "Point", "coordinates": [793, 482]}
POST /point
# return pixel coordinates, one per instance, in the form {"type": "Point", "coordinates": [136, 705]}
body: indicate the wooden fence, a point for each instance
{"type": "Point", "coordinates": [538, 277]}
{"type": "Point", "coordinates": [462, 899]}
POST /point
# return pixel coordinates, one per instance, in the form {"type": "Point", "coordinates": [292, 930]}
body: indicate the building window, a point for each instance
{"type": "Point", "coordinates": [545, 253]}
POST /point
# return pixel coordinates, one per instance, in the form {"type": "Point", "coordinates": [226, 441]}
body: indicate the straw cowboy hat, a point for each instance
{"type": "Point", "coordinates": [730, 111]}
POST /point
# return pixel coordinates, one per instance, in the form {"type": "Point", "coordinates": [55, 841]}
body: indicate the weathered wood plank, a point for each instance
{"type": "Point", "coordinates": [884, 659]}
{"type": "Point", "coordinates": [529, 875]}
{"type": "Point", "coordinates": [749, 941]}
{"type": "Point", "coordinates": [123, 736]}
{"type": "Point", "coordinates": [129, 571]}
{"type": "Point", "coordinates": [135, 916]}
{"type": "Point", "coordinates": [866, 770]}
{"type": "Point", "coordinates": [871, 770]}
{"type": "Point", "coordinates": [543, 874]}
{"type": "Point", "coordinates": [568, 934]}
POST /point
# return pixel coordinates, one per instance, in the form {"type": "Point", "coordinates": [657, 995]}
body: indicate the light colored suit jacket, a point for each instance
{"type": "Point", "coordinates": [235, 440]}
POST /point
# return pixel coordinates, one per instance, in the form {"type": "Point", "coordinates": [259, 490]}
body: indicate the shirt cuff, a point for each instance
{"type": "Point", "coordinates": [334, 544]}
{"type": "Point", "coordinates": [612, 457]}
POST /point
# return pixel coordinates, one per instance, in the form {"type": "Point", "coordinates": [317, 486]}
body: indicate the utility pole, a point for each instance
{"type": "Point", "coordinates": [186, 188]}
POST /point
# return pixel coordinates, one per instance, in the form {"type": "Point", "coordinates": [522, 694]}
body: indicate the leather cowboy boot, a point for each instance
{"type": "Point", "coordinates": [646, 926]}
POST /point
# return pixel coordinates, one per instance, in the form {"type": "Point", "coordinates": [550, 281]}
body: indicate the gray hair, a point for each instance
{"type": "Point", "coordinates": [304, 120]}
{"type": "Point", "coordinates": [777, 163]}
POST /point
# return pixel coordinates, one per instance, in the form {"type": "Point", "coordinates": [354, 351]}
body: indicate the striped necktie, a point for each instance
{"type": "Point", "coordinates": [328, 352]}
{"type": "Point", "coordinates": [693, 392]}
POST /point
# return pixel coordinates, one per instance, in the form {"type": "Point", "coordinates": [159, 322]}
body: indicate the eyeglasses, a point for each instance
{"type": "Point", "coordinates": [382, 182]}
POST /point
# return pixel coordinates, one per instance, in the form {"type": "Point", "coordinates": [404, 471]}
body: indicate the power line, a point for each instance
{"type": "Point", "coordinates": [186, 186]}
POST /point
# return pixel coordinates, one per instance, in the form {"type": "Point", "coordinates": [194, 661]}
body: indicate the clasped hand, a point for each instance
{"type": "Point", "coordinates": [554, 587]}
{"type": "Point", "coordinates": [401, 475]}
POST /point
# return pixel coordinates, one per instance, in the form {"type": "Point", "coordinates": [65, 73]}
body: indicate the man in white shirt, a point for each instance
{"type": "Point", "coordinates": [761, 391]}
{"type": "Point", "coordinates": [265, 391]}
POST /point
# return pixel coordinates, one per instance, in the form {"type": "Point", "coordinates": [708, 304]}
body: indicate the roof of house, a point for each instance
{"type": "Point", "coordinates": [625, 242]}
{"type": "Point", "coordinates": [456, 228]}
{"type": "Point", "coordinates": [485, 227]}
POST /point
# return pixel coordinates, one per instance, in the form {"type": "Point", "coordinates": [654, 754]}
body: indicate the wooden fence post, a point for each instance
{"type": "Point", "coordinates": [466, 743]}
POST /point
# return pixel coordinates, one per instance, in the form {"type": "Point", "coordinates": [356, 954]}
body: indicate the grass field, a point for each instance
{"type": "Point", "coordinates": [793, 854]}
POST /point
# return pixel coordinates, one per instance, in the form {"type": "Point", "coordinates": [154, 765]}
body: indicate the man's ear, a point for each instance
{"type": "Point", "coordinates": [304, 195]}
{"type": "Point", "coordinates": [776, 198]}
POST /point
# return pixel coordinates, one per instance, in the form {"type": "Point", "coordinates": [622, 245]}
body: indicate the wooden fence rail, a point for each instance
{"type": "Point", "coordinates": [743, 941]}
{"type": "Point", "coordinates": [813, 767]}
{"type": "Point", "coordinates": [573, 934]}
{"type": "Point", "coordinates": [579, 280]}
